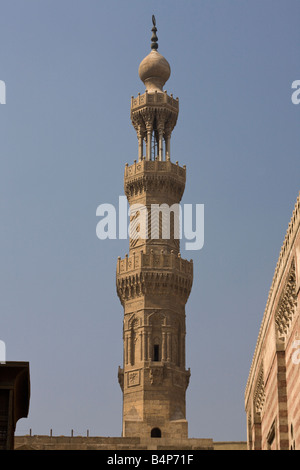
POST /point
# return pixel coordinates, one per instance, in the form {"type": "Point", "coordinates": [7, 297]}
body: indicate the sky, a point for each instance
{"type": "Point", "coordinates": [70, 68]}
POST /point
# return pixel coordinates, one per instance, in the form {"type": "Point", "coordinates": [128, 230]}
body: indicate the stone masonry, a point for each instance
{"type": "Point", "coordinates": [154, 282]}
{"type": "Point", "coordinates": [272, 396]}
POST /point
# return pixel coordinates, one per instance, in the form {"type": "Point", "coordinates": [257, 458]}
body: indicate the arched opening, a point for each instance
{"type": "Point", "coordinates": [155, 432]}
{"type": "Point", "coordinates": [132, 346]}
{"type": "Point", "coordinates": [156, 352]}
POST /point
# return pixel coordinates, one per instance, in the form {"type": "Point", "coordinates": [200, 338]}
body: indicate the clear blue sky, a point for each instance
{"type": "Point", "coordinates": [71, 67]}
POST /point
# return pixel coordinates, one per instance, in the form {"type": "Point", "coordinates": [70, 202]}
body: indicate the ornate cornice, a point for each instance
{"type": "Point", "coordinates": [163, 274]}
{"type": "Point", "coordinates": [153, 178]}
{"type": "Point", "coordinates": [145, 167]}
{"type": "Point", "coordinates": [286, 305]}
{"type": "Point", "coordinates": [259, 394]}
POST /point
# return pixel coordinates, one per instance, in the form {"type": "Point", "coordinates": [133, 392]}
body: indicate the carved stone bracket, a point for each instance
{"type": "Point", "coordinates": [287, 305]}
{"type": "Point", "coordinates": [259, 395]}
{"type": "Point", "coordinates": [121, 378]}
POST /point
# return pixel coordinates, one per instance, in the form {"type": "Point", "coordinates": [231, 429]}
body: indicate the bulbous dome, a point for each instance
{"type": "Point", "coordinates": [154, 71]}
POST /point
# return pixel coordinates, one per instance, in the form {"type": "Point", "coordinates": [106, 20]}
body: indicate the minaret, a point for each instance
{"type": "Point", "coordinates": [154, 282]}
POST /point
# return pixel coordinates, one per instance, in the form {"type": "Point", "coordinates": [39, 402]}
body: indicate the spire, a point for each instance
{"type": "Point", "coordinates": [154, 37]}
{"type": "Point", "coordinates": [154, 69]}
{"type": "Point", "coordinates": [154, 114]}
{"type": "Point", "coordinates": [154, 282]}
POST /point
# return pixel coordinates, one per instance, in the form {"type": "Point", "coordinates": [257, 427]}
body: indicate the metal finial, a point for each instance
{"type": "Point", "coordinates": [154, 37]}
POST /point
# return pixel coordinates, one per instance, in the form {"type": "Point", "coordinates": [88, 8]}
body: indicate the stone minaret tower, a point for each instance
{"type": "Point", "coordinates": [154, 282]}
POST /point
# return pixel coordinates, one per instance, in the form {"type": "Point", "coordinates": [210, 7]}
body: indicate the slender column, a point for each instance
{"type": "Point", "coordinates": [149, 347]}
{"type": "Point", "coordinates": [164, 347]}
{"type": "Point", "coordinates": [141, 137]}
{"type": "Point", "coordinates": [160, 144]}
{"type": "Point", "coordinates": [168, 346]}
{"type": "Point", "coordinates": [168, 144]}
{"type": "Point", "coordinates": [129, 348]}
{"type": "Point", "coordinates": [182, 359]}
{"type": "Point", "coordinates": [141, 346]}
{"type": "Point", "coordinates": [145, 346]}
{"type": "Point", "coordinates": [149, 135]}
{"type": "Point", "coordinates": [126, 348]}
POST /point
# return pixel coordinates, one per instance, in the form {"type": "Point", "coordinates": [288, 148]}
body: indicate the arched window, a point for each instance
{"type": "Point", "coordinates": [132, 346]}
{"type": "Point", "coordinates": [155, 432]}
{"type": "Point", "coordinates": [156, 352]}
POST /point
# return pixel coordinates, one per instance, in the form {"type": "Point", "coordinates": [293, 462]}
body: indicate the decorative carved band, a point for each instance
{"type": "Point", "coordinates": [155, 178]}
{"type": "Point", "coordinates": [154, 283]}
{"type": "Point", "coordinates": [154, 185]}
{"type": "Point", "coordinates": [154, 106]}
{"type": "Point", "coordinates": [259, 394]}
{"type": "Point", "coordinates": [286, 305]}
{"type": "Point", "coordinates": [152, 261]}
{"type": "Point", "coordinates": [155, 167]}
{"type": "Point", "coordinates": [154, 99]}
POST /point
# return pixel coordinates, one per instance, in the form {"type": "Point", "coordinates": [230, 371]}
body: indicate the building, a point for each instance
{"type": "Point", "coordinates": [14, 399]}
{"type": "Point", "coordinates": [272, 396]}
{"type": "Point", "coordinates": [153, 284]}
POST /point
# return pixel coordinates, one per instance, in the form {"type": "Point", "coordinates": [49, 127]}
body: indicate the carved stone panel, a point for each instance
{"type": "Point", "coordinates": [133, 378]}
{"type": "Point", "coordinates": [156, 375]}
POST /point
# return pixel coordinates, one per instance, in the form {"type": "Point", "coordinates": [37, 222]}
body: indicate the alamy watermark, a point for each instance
{"type": "Point", "coordinates": [2, 352]}
{"type": "Point", "coordinates": [157, 221]}
{"type": "Point", "coordinates": [2, 92]}
{"type": "Point", "coordinates": [296, 354]}
{"type": "Point", "coordinates": [296, 94]}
